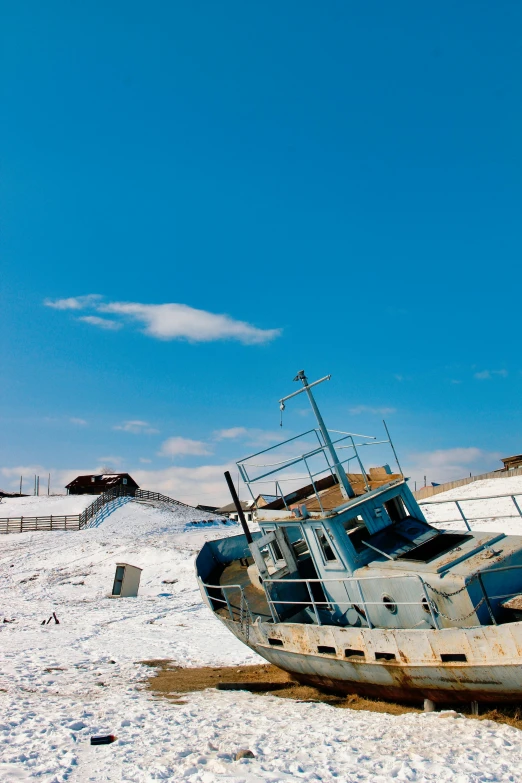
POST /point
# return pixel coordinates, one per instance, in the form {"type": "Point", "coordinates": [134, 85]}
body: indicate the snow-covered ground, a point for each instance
{"type": "Point", "coordinates": [60, 684]}
{"type": "Point", "coordinates": [44, 505]}
{"type": "Point", "coordinates": [500, 513]}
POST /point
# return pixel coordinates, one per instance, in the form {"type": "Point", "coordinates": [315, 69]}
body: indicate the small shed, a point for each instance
{"type": "Point", "coordinates": [96, 484]}
{"type": "Point", "coordinates": [126, 581]}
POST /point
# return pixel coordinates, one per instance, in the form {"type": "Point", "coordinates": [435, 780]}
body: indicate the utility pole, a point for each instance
{"type": "Point", "coordinates": [49, 484]}
{"type": "Point", "coordinates": [20, 486]}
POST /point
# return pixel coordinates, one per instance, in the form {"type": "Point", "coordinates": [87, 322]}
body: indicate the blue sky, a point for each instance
{"type": "Point", "coordinates": [200, 199]}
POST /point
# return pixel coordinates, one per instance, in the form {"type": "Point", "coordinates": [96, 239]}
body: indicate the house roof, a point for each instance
{"type": "Point", "coordinates": [230, 508]}
{"type": "Point", "coordinates": [101, 479]}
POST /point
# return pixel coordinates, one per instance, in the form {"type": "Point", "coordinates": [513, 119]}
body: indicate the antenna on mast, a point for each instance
{"type": "Point", "coordinates": [346, 488]}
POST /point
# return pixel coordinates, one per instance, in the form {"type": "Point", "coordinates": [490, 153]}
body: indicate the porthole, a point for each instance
{"type": "Point", "coordinates": [389, 603]}
{"type": "Point", "coordinates": [428, 606]}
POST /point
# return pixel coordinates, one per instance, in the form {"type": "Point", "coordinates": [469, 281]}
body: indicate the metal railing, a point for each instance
{"type": "Point", "coordinates": [226, 601]}
{"type": "Point", "coordinates": [427, 603]}
{"type": "Point", "coordinates": [348, 603]}
{"type": "Point", "coordinates": [466, 500]}
{"type": "Point", "coordinates": [321, 450]}
{"type": "Point", "coordinates": [124, 491]}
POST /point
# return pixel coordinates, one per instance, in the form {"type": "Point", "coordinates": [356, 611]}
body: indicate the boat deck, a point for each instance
{"type": "Point", "coordinates": [235, 573]}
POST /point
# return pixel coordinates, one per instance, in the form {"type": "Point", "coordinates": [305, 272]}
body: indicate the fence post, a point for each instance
{"type": "Point", "coordinates": [21, 523]}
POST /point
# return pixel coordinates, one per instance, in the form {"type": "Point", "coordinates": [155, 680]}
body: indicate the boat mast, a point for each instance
{"type": "Point", "coordinates": [344, 484]}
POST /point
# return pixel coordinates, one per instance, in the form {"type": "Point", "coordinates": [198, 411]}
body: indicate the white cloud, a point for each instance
{"type": "Point", "coordinates": [485, 375]}
{"type": "Point", "coordinates": [369, 409]}
{"type": "Point", "coordinates": [145, 461]}
{"type": "Point", "coordinates": [177, 446]}
{"type": "Point", "coordinates": [204, 484]}
{"type": "Point", "coordinates": [254, 436]}
{"type": "Point", "coordinates": [232, 433]}
{"type": "Point", "coordinates": [103, 323]}
{"type": "Point", "coordinates": [169, 321]}
{"type": "Point", "coordinates": [449, 464]}
{"type": "Point", "coordinates": [114, 462]}
{"type": "Point", "coordinates": [73, 302]}
{"type": "Point", "coordinates": [137, 427]}
{"type": "Point", "coordinates": [79, 422]}
{"type": "Point", "coordinates": [178, 321]}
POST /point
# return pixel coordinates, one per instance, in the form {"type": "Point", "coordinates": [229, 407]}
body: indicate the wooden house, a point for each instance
{"type": "Point", "coordinates": [96, 484]}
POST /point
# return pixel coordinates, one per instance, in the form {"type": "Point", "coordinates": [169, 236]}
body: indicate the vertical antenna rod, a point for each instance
{"type": "Point", "coordinates": [239, 510]}
{"type": "Point", "coordinates": [393, 449]}
{"type": "Point", "coordinates": [345, 486]}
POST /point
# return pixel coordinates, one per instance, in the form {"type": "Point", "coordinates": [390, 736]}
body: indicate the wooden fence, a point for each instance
{"type": "Point", "coordinates": [27, 524]}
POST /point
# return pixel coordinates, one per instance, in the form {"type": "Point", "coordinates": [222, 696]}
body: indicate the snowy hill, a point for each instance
{"type": "Point", "coordinates": [60, 684]}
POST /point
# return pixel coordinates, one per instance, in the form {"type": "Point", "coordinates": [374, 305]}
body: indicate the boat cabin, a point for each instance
{"type": "Point", "coordinates": [346, 552]}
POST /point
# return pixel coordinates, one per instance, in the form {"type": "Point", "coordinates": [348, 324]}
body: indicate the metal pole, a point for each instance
{"type": "Point", "coordinates": [366, 612]}
{"type": "Point", "coordinates": [486, 599]}
{"type": "Point", "coordinates": [462, 515]}
{"type": "Point", "coordinates": [430, 606]}
{"type": "Point", "coordinates": [393, 449]}
{"type": "Point", "coordinates": [49, 484]}
{"type": "Point", "coordinates": [313, 602]}
{"type": "Point", "coordinates": [239, 510]}
{"type": "Point", "coordinates": [346, 488]}
{"type": "Point", "coordinates": [20, 486]}
{"type": "Point", "coordinates": [516, 505]}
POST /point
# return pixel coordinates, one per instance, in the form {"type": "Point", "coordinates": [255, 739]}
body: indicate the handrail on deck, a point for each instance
{"type": "Point", "coordinates": [424, 602]}
{"type": "Point", "coordinates": [322, 449]}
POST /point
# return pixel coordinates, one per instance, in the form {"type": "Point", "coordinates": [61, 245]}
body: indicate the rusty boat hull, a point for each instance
{"type": "Point", "coordinates": [453, 665]}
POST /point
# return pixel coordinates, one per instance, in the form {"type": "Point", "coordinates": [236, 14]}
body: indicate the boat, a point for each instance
{"type": "Point", "coordinates": [344, 584]}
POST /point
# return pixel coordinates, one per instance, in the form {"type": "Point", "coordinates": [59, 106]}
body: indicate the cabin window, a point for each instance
{"type": "Point", "coordinates": [357, 532]}
{"type": "Point", "coordinates": [124, 481]}
{"type": "Point", "coordinates": [351, 524]}
{"type": "Point", "coordinates": [273, 549]}
{"type": "Point", "coordinates": [326, 548]}
{"type": "Point", "coordinates": [396, 509]}
{"type": "Point", "coordinates": [93, 478]}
